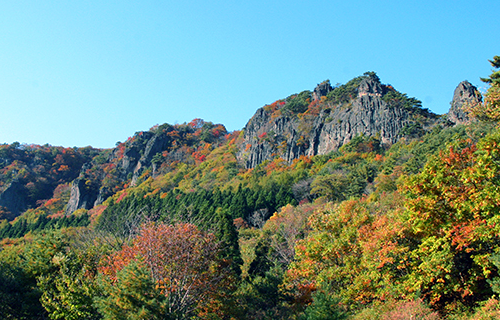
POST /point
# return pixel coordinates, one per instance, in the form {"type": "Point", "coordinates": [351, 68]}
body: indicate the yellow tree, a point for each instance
{"type": "Point", "coordinates": [454, 209]}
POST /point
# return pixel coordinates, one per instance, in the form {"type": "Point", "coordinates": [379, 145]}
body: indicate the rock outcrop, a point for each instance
{"type": "Point", "coordinates": [12, 198]}
{"type": "Point", "coordinates": [138, 158]}
{"type": "Point", "coordinates": [129, 161]}
{"type": "Point", "coordinates": [322, 90]}
{"type": "Point", "coordinates": [290, 136]}
{"type": "Point", "coordinates": [465, 96]}
{"type": "Point", "coordinates": [83, 196]}
{"type": "Point", "coordinates": [288, 129]}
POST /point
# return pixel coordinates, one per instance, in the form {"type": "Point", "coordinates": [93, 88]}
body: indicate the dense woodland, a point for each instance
{"type": "Point", "coordinates": [370, 231]}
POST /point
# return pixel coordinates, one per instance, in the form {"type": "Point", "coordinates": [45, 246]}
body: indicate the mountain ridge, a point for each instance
{"type": "Point", "coordinates": [306, 124]}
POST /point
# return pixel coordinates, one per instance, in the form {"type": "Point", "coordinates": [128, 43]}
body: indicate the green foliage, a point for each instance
{"type": "Point", "coordinates": [346, 92]}
{"type": "Point", "coordinates": [68, 291]}
{"type": "Point", "coordinates": [18, 296]}
{"type": "Point", "coordinates": [453, 210]}
{"type": "Point", "coordinates": [332, 186]}
{"type": "Point", "coordinates": [21, 227]}
{"type": "Point", "coordinates": [260, 297]}
{"type": "Point", "coordinates": [489, 110]}
{"type": "Point", "coordinates": [229, 249]}
{"type": "Point", "coordinates": [297, 103]}
{"type": "Point", "coordinates": [494, 78]}
{"type": "Point", "coordinates": [132, 296]}
{"type": "Point", "coordinates": [396, 98]}
{"type": "Point", "coordinates": [363, 144]}
{"type": "Point", "coordinates": [22, 264]}
{"type": "Point", "coordinates": [324, 307]}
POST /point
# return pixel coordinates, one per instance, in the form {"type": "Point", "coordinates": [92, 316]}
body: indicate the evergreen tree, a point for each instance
{"type": "Point", "coordinates": [228, 241]}
{"type": "Point", "coordinates": [132, 297]}
{"type": "Point", "coordinates": [261, 264]}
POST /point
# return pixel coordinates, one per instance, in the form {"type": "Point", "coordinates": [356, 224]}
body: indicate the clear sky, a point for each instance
{"type": "Point", "coordinates": [79, 73]}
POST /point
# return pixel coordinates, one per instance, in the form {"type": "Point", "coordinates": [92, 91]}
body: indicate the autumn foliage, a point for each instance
{"type": "Point", "coordinates": [369, 231]}
{"type": "Point", "coordinates": [181, 262]}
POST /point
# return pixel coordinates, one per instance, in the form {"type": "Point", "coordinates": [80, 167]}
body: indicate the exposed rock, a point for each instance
{"type": "Point", "coordinates": [465, 96]}
{"type": "Point", "coordinates": [128, 162]}
{"type": "Point", "coordinates": [321, 90]}
{"type": "Point", "coordinates": [370, 86]}
{"type": "Point", "coordinates": [13, 199]}
{"type": "Point", "coordinates": [83, 195]}
{"type": "Point", "coordinates": [266, 137]}
{"type": "Point", "coordinates": [154, 145]}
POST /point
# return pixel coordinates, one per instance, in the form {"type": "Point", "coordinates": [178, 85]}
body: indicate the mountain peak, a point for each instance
{"type": "Point", "coordinates": [466, 95]}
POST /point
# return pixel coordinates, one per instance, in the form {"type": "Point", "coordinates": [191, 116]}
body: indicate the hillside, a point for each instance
{"type": "Point", "coordinates": [346, 201]}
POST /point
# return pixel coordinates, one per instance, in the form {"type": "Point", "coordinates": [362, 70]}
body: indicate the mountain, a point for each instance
{"type": "Point", "coordinates": [319, 122]}
{"type": "Point", "coordinates": [348, 201]}
{"type": "Point", "coordinates": [147, 153]}
{"type": "Point", "coordinates": [465, 96]}
{"type": "Point", "coordinates": [306, 124]}
{"type": "Point", "coordinates": [30, 174]}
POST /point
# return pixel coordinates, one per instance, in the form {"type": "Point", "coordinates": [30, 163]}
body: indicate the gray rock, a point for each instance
{"type": "Point", "coordinates": [465, 96]}
{"type": "Point", "coordinates": [83, 195]}
{"type": "Point", "coordinates": [321, 90]}
{"type": "Point", "coordinates": [290, 137]}
{"type": "Point", "coordinates": [13, 198]}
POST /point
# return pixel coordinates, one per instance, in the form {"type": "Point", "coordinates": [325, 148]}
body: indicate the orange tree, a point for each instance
{"type": "Point", "coordinates": [178, 261]}
{"type": "Point", "coordinates": [453, 208]}
{"type": "Point", "coordinates": [355, 255]}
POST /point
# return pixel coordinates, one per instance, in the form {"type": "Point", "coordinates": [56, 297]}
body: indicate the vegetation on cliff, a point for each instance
{"type": "Point", "coordinates": [174, 223]}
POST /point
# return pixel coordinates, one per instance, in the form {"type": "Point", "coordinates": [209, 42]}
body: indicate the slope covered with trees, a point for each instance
{"type": "Point", "coordinates": [176, 223]}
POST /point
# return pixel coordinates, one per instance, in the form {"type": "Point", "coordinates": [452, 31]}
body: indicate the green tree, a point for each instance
{"type": "Point", "coordinates": [229, 249]}
{"type": "Point", "coordinates": [454, 215]}
{"type": "Point", "coordinates": [332, 187]}
{"type": "Point", "coordinates": [324, 307]}
{"type": "Point", "coordinates": [68, 291]}
{"type": "Point", "coordinates": [489, 110]}
{"type": "Point", "coordinates": [132, 296]}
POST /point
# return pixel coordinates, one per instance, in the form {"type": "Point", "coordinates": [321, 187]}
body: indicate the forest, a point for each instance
{"type": "Point", "coordinates": [371, 230]}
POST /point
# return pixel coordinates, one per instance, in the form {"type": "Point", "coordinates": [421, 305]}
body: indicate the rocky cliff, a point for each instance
{"type": "Point", "coordinates": [308, 123]}
{"type": "Point", "coordinates": [13, 200]}
{"type": "Point", "coordinates": [373, 109]}
{"type": "Point", "coordinates": [128, 161]}
{"type": "Point", "coordinates": [465, 96]}
{"type": "Point", "coordinates": [138, 158]}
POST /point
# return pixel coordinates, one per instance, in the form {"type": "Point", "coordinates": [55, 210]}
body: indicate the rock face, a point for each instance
{"type": "Point", "coordinates": [82, 196]}
{"type": "Point", "coordinates": [465, 95]}
{"type": "Point", "coordinates": [13, 199]}
{"type": "Point", "coordinates": [321, 90]}
{"type": "Point", "coordinates": [138, 158]}
{"type": "Point", "coordinates": [138, 154]}
{"type": "Point", "coordinates": [331, 120]}
{"type": "Point", "coordinates": [289, 137]}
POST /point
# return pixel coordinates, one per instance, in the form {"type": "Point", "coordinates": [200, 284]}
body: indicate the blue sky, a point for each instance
{"type": "Point", "coordinates": [78, 73]}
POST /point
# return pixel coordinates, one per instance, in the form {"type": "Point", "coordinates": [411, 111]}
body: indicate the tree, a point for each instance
{"type": "Point", "coordinates": [331, 255]}
{"type": "Point", "coordinates": [355, 254]}
{"type": "Point", "coordinates": [331, 186]}
{"type": "Point", "coordinates": [182, 261]}
{"type": "Point", "coordinates": [324, 307]}
{"type": "Point", "coordinates": [454, 214]}
{"type": "Point", "coordinates": [229, 249]}
{"type": "Point", "coordinates": [68, 291]}
{"type": "Point", "coordinates": [489, 110]}
{"type": "Point", "coordinates": [494, 78]}
{"type": "Point", "coordinates": [132, 295]}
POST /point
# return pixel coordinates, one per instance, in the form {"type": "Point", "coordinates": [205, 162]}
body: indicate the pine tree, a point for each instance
{"type": "Point", "coordinates": [228, 241]}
